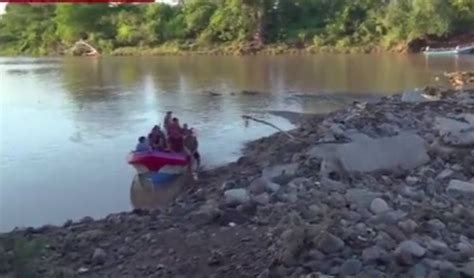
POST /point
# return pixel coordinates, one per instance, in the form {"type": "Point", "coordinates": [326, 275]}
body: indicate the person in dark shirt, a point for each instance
{"type": "Point", "coordinates": [157, 138]}
{"type": "Point", "coordinates": [191, 147]}
{"type": "Point", "coordinates": [142, 145]}
{"type": "Point", "coordinates": [167, 121]}
{"type": "Point", "coordinates": [175, 136]}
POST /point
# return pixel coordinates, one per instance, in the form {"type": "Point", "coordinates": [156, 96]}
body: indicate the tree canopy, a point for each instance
{"type": "Point", "coordinates": [47, 28]}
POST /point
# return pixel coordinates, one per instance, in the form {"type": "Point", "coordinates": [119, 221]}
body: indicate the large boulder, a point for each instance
{"type": "Point", "coordinates": [416, 96]}
{"type": "Point", "coordinates": [456, 132]}
{"type": "Point", "coordinates": [408, 250]}
{"type": "Point", "coordinates": [457, 187]}
{"type": "Point", "coordinates": [236, 196]}
{"type": "Point", "coordinates": [263, 184]}
{"type": "Point", "coordinates": [278, 170]}
{"type": "Point", "coordinates": [99, 256]}
{"type": "Point", "coordinates": [365, 154]}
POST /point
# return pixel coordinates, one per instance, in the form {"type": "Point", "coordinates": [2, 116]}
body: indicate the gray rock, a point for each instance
{"type": "Point", "coordinates": [419, 271]}
{"type": "Point", "coordinates": [208, 212]}
{"type": "Point", "coordinates": [412, 180]}
{"type": "Point", "coordinates": [390, 217]}
{"type": "Point", "coordinates": [437, 245]}
{"type": "Point", "coordinates": [329, 185]}
{"type": "Point", "coordinates": [360, 198]}
{"type": "Point", "coordinates": [457, 187]}
{"type": "Point", "coordinates": [91, 235]}
{"type": "Point", "coordinates": [300, 183]}
{"type": "Point", "coordinates": [436, 224]}
{"type": "Point", "coordinates": [272, 187]}
{"type": "Point", "coordinates": [350, 267]}
{"type": "Point", "coordinates": [454, 132]}
{"type": "Point", "coordinates": [99, 256]}
{"type": "Point", "coordinates": [329, 243]}
{"type": "Point", "coordinates": [468, 269]}
{"type": "Point", "coordinates": [415, 96]}
{"type": "Point", "coordinates": [408, 226]}
{"type": "Point", "coordinates": [373, 254]}
{"type": "Point", "coordinates": [284, 169]}
{"type": "Point", "coordinates": [371, 273]}
{"type": "Point", "coordinates": [361, 228]}
{"type": "Point", "coordinates": [236, 196]}
{"type": "Point", "coordinates": [408, 250]}
{"type": "Point", "coordinates": [147, 237]}
{"type": "Point", "coordinates": [446, 273]}
{"type": "Point", "coordinates": [404, 151]}
{"type": "Point", "coordinates": [378, 205]}
{"type": "Point", "coordinates": [258, 186]}
{"type": "Point", "coordinates": [264, 274]}
{"type": "Point", "coordinates": [466, 249]}
{"type": "Point", "coordinates": [331, 169]}
{"type": "Point", "coordinates": [385, 241]}
{"type": "Point", "coordinates": [336, 200]}
{"type": "Point", "coordinates": [394, 232]}
{"type": "Point", "coordinates": [439, 264]}
{"type": "Point", "coordinates": [86, 219]}
{"type": "Point", "coordinates": [291, 197]}
{"type": "Point", "coordinates": [262, 199]}
{"type": "Point", "coordinates": [446, 173]}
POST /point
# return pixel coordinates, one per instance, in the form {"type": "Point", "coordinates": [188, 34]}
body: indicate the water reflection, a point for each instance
{"type": "Point", "coordinates": [145, 195]}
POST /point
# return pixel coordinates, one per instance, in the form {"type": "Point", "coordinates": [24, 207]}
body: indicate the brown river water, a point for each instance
{"type": "Point", "coordinates": [66, 125]}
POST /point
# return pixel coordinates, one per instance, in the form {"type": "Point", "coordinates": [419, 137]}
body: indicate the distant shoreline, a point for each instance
{"type": "Point", "coordinates": [228, 50]}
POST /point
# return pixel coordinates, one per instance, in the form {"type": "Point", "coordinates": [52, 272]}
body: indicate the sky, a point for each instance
{"type": "Point", "coordinates": [2, 5]}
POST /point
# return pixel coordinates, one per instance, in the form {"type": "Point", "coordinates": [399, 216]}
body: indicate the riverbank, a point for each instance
{"type": "Point", "coordinates": [230, 49]}
{"type": "Point", "coordinates": [248, 48]}
{"type": "Point", "coordinates": [379, 189]}
{"type": "Point", "coordinates": [243, 49]}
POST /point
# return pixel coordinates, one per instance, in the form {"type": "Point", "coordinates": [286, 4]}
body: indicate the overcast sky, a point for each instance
{"type": "Point", "coordinates": [2, 5]}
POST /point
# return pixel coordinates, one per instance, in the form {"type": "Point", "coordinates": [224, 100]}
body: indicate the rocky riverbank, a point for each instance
{"type": "Point", "coordinates": [379, 189]}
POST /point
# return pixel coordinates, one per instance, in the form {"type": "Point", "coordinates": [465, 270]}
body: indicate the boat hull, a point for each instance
{"type": "Point", "coordinates": [153, 161]}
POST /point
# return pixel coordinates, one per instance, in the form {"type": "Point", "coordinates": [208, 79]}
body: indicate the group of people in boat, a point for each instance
{"type": "Point", "coordinates": [174, 138]}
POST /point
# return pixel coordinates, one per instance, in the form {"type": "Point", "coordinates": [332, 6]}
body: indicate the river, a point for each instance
{"type": "Point", "coordinates": [68, 124]}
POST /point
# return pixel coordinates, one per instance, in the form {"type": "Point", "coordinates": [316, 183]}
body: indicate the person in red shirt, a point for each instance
{"type": "Point", "coordinates": [175, 136]}
{"type": "Point", "coordinates": [157, 138]}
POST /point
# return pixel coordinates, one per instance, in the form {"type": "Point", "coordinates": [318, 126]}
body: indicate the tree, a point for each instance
{"type": "Point", "coordinates": [78, 21]}
{"type": "Point", "coordinates": [197, 15]}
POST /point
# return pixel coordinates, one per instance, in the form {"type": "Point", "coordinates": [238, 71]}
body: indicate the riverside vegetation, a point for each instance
{"type": "Point", "coordinates": [235, 26]}
{"type": "Point", "coordinates": [382, 188]}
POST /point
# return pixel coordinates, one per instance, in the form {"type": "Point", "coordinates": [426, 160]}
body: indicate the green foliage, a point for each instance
{"type": "Point", "coordinates": [231, 22]}
{"type": "Point", "coordinates": [28, 28]}
{"type": "Point", "coordinates": [78, 21]}
{"type": "Point", "coordinates": [197, 15]}
{"type": "Point", "coordinates": [44, 29]}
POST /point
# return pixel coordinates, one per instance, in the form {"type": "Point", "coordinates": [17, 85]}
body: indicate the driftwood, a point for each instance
{"type": "Point", "coordinates": [250, 118]}
{"type": "Point", "coordinates": [92, 51]}
{"type": "Point", "coordinates": [459, 79]}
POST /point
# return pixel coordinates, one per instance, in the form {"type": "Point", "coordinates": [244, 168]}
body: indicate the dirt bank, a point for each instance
{"type": "Point", "coordinates": [379, 189]}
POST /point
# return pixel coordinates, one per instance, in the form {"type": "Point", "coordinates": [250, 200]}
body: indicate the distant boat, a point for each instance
{"type": "Point", "coordinates": [450, 51]}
